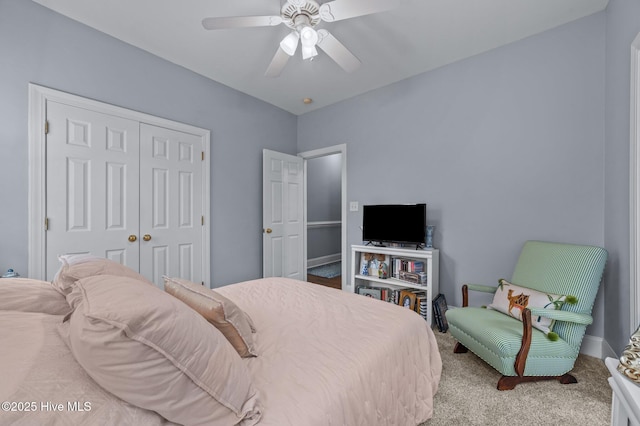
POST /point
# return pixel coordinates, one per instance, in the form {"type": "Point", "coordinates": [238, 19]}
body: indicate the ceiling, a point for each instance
{"type": "Point", "coordinates": [414, 37]}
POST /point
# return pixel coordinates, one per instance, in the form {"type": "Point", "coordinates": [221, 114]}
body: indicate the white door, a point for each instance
{"type": "Point", "coordinates": [170, 204]}
{"type": "Point", "coordinates": [92, 185]}
{"type": "Point", "coordinates": [125, 190]}
{"type": "Point", "coordinates": [283, 215]}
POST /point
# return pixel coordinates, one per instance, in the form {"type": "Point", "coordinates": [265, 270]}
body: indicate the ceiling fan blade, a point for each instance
{"type": "Point", "coordinates": [240, 22]}
{"type": "Point", "coordinates": [336, 51]}
{"type": "Point", "coordinates": [277, 63]}
{"type": "Point", "coordinates": [338, 10]}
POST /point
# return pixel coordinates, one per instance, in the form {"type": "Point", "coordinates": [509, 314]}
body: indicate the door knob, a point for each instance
{"type": "Point", "coordinates": [146, 237]}
{"type": "Point", "coordinates": [132, 238]}
{"type": "Point", "coordinates": [268, 230]}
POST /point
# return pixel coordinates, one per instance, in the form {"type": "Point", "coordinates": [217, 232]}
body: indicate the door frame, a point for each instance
{"type": "Point", "coordinates": [322, 152]}
{"type": "Point", "coordinates": [38, 97]}
{"type": "Point", "coordinates": [634, 187]}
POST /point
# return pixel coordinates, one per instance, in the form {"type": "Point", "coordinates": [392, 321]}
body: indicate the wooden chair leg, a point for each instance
{"type": "Point", "coordinates": [510, 382]}
{"type": "Point", "coordinates": [567, 379]}
{"type": "Point", "coordinates": [460, 349]}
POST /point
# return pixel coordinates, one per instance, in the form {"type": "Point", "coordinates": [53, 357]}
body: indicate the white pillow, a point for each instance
{"type": "Point", "coordinates": [77, 266]}
{"type": "Point", "coordinates": [28, 295]}
{"type": "Point", "coordinates": [512, 299]}
{"type": "Point", "coordinates": [153, 351]}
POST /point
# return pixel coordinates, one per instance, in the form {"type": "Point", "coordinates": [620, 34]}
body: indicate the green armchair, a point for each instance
{"type": "Point", "coordinates": [518, 351]}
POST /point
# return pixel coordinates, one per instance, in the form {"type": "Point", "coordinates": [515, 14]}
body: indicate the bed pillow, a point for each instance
{"type": "Point", "coordinates": [153, 351]}
{"type": "Point", "coordinates": [511, 299]}
{"type": "Point", "coordinates": [28, 295]}
{"type": "Point", "coordinates": [77, 266]}
{"type": "Point", "coordinates": [221, 312]}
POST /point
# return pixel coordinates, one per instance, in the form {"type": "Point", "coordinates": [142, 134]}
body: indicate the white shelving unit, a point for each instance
{"type": "Point", "coordinates": [429, 256]}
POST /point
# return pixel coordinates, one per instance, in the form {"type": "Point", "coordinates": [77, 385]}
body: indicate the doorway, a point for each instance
{"type": "Point", "coordinates": [634, 186]}
{"type": "Point", "coordinates": [325, 216]}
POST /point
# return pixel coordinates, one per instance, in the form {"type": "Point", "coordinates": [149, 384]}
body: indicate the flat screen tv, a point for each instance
{"type": "Point", "coordinates": [394, 223]}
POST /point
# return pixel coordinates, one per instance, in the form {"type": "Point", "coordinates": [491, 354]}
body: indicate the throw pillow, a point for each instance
{"type": "Point", "coordinates": [153, 351]}
{"type": "Point", "coordinates": [221, 312]}
{"type": "Point", "coordinates": [512, 299]}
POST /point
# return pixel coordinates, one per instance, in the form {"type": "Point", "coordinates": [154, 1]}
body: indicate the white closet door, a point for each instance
{"type": "Point", "coordinates": [92, 185]}
{"type": "Point", "coordinates": [170, 204]}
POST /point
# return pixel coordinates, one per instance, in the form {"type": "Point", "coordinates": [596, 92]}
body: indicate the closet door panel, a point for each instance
{"type": "Point", "coordinates": [92, 179]}
{"type": "Point", "coordinates": [170, 204]}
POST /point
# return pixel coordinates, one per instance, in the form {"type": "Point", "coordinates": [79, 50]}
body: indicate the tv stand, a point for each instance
{"type": "Point", "coordinates": [429, 256]}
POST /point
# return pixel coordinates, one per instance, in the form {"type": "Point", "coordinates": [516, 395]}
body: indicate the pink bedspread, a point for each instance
{"type": "Point", "coordinates": [328, 357]}
{"type": "Point", "coordinates": [325, 357]}
{"type": "Point", "coordinates": [44, 385]}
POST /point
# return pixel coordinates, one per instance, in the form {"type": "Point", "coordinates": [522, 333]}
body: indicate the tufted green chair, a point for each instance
{"type": "Point", "coordinates": [518, 351]}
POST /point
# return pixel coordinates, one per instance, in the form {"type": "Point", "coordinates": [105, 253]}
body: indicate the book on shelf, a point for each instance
{"type": "Point", "coordinates": [439, 310]}
{"type": "Point", "coordinates": [413, 271]}
{"type": "Point", "coordinates": [421, 305]}
{"type": "Point", "coordinates": [412, 298]}
{"type": "Point", "coordinates": [419, 278]}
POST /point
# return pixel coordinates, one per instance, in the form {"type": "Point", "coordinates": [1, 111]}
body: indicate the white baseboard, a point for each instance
{"type": "Point", "coordinates": [323, 260]}
{"type": "Point", "coordinates": [596, 347]}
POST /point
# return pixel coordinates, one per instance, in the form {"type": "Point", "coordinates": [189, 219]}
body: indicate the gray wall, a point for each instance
{"type": "Point", "coordinates": [623, 25]}
{"type": "Point", "coordinates": [518, 143]}
{"type": "Point", "coordinates": [324, 180]}
{"type": "Point", "coordinates": [40, 46]}
{"type": "Point", "coordinates": [503, 147]}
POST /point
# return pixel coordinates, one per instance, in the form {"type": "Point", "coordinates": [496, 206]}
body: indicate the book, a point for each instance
{"type": "Point", "coordinates": [421, 305]}
{"type": "Point", "coordinates": [439, 310]}
{"type": "Point", "coordinates": [413, 277]}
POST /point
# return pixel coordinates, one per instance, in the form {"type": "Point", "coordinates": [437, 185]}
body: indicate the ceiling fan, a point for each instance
{"type": "Point", "coordinates": [302, 16]}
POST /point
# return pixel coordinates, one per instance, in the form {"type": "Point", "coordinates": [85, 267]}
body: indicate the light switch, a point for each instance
{"type": "Point", "coordinates": [353, 206]}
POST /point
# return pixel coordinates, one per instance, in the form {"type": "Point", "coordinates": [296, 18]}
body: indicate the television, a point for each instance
{"type": "Point", "coordinates": [394, 223]}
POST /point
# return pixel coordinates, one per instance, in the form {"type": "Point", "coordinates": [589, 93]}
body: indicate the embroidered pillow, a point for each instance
{"type": "Point", "coordinates": [512, 299]}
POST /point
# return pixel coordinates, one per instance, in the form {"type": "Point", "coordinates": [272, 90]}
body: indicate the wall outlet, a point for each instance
{"type": "Point", "coordinates": [353, 206]}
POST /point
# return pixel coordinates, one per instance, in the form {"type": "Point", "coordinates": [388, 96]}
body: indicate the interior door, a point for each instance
{"type": "Point", "coordinates": [171, 208]}
{"type": "Point", "coordinates": [92, 185]}
{"type": "Point", "coordinates": [282, 215]}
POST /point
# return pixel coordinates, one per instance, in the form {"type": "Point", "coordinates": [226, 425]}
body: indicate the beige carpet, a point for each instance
{"type": "Point", "coordinates": [468, 394]}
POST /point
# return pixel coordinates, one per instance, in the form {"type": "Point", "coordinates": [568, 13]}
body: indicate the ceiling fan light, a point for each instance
{"type": "Point", "coordinates": [308, 52]}
{"type": "Point", "coordinates": [290, 43]}
{"type": "Point", "coordinates": [308, 36]}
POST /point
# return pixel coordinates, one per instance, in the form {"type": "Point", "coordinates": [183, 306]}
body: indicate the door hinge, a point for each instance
{"type": "Point", "coordinates": [46, 223]}
{"type": "Point", "coordinates": [46, 127]}
{"type": "Point", "coordinates": [202, 220]}
{"type": "Point", "coordinates": [202, 155]}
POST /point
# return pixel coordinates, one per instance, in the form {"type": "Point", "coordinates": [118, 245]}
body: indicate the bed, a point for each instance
{"type": "Point", "coordinates": [318, 356]}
